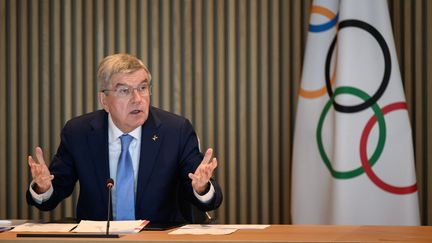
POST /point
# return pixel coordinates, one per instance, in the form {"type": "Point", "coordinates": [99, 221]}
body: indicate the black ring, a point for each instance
{"type": "Point", "coordinates": [387, 66]}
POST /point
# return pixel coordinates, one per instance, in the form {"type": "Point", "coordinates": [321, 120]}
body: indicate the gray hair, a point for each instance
{"type": "Point", "coordinates": [118, 63]}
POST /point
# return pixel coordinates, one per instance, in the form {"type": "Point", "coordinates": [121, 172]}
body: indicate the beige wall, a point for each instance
{"type": "Point", "coordinates": [231, 67]}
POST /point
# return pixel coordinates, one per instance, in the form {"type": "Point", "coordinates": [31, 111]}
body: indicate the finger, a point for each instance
{"type": "Point", "coordinates": [214, 163]}
{"type": "Point", "coordinates": [39, 155]}
{"type": "Point", "coordinates": [193, 176]}
{"type": "Point", "coordinates": [197, 179]}
{"type": "Point", "coordinates": [47, 178]}
{"type": "Point", "coordinates": [44, 179]}
{"type": "Point", "coordinates": [212, 167]}
{"type": "Point", "coordinates": [207, 156]}
{"type": "Point", "coordinates": [31, 161]}
{"type": "Point", "coordinates": [37, 169]}
{"type": "Point", "coordinates": [34, 167]}
{"type": "Point", "coordinates": [207, 170]}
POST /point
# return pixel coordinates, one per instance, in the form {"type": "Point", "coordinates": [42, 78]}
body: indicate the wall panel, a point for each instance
{"type": "Point", "coordinates": [3, 163]}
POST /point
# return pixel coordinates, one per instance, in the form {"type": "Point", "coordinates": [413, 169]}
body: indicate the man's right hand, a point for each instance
{"type": "Point", "coordinates": [40, 172]}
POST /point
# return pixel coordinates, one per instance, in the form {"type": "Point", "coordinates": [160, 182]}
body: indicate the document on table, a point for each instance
{"type": "Point", "coordinates": [215, 229]}
{"type": "Point", "coordinates": [8, 224]}
{"type": "Point", "coordinates": [14, 222]}
{"type": "Point", "coordinates": [5, 225]}
{"type": "Point", "coordinates": [127, 226]}
{"type": "Point", "coordinates": [4, 228]}
{"type": "Point", "coordinates": [38, 227]}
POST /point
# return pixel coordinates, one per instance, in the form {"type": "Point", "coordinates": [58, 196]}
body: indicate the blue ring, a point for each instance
{"type": "Point", "coordinates": [325, 26]}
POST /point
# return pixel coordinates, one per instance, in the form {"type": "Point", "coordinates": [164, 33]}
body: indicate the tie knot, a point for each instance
{"type": "Point", "coordinates": [125, 141]}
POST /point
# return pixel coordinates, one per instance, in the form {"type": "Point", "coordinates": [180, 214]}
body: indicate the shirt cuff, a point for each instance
{"type": "Point", "coordinates": [206, 197]}
{"type": "Point", "coordinates": [40, 198]}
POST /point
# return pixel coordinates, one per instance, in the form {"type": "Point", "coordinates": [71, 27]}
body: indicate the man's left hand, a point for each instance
{"type": "Point", "coordinates": [201, 177]}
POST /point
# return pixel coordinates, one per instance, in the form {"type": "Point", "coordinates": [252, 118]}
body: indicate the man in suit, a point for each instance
{"type": "Point", "coordinates": [152, 155]}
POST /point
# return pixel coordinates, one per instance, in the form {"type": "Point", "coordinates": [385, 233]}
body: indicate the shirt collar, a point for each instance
{"type": "Point", "coordinates": [114, 132]}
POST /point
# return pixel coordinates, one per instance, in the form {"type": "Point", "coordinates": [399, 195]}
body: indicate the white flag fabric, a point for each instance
{"type": "Point", "coordinates": [353, 160]}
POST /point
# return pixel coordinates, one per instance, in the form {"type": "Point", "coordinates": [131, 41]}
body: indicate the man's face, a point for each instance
{"type": "Point", "coordinates": [127, 111]}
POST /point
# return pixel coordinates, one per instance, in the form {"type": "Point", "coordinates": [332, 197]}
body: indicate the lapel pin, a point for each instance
{"type": "Point", "coordinates": [154, 137]}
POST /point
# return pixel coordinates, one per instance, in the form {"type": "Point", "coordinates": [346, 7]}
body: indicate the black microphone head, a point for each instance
{"type": "Point", "coordinates": [110, 183]}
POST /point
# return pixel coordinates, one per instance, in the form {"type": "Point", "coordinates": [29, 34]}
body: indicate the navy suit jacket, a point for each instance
{"type": "Point", "coordinates": [163, 167]}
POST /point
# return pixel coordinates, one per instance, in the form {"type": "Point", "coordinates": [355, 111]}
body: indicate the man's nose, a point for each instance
{"type": "Point", "coordinates": [135, 95]}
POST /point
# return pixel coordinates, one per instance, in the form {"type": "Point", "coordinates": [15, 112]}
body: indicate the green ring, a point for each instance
{"type": "Point", "coordinates": [381, 140]}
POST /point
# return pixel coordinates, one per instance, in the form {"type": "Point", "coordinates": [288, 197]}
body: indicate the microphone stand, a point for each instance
{"type": "Point", "coordinates": [110, 184]}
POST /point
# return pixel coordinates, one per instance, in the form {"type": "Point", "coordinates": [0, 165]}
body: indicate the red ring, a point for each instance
{"type": "Point", "coordinates": [365, 161]}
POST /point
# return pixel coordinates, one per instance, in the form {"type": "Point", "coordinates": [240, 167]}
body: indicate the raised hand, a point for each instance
{"type": "Point", "coordinates": [40, 172]}
{"type": "Point", "coordinates": [203, 173]}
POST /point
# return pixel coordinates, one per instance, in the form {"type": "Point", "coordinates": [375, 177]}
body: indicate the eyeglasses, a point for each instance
{"type": "Point", "coordinates": [126, 90]}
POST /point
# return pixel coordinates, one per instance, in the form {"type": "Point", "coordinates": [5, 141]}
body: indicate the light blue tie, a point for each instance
{"type": "Point", "coordinates": [125, 182]}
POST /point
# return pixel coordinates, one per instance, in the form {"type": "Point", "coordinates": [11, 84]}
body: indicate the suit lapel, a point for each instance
{"type": "Point", "coordinates": [98, 144]}
{"type": "Point", "coordinates": [150, 143]}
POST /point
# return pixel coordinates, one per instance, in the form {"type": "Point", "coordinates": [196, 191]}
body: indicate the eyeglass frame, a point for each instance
{"type": "Point", "coordinates": [130, 90]}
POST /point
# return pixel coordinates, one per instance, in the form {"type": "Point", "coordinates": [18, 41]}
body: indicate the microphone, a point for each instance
{"type": "Point", "coordinates": [109, 184]}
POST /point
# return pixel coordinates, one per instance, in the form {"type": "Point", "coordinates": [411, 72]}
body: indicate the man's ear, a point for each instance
{"type": "Point", "coordinates": [102, 100]}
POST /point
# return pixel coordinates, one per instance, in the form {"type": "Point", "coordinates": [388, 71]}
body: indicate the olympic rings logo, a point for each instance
{"type": "Point", "coordinates": [369, 101]}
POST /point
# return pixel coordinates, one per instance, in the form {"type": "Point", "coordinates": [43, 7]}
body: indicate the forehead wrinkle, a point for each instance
{"type": "Point", "coordinates": [128, 78]}
{"type": "Point", "coordinates": [120, 83]}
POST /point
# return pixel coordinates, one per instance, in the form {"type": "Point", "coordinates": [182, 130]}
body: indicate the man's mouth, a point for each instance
{"type": "Point", "coordinates": [135, 112]}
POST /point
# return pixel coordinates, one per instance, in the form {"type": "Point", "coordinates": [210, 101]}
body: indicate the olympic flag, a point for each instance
{"type": "Point", "coordinates": [353, 160]}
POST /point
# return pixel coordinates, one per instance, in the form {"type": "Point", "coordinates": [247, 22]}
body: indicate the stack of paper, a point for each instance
{"type": "Point", "coordinates": [5, 225]}
{"type": "Point", "coordinates": [124, 227]}
{"type": "Point", "coordinates": [215, 229]}
{"type": "Point", "coordinates": [37, 227]}
{"type": "Point", "coordinates": [85, 226]}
